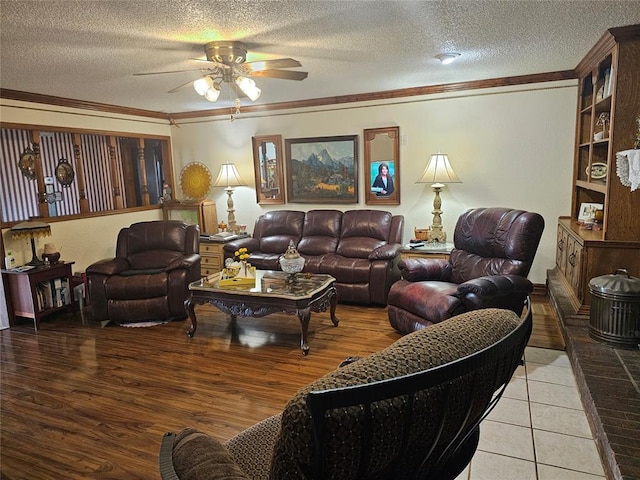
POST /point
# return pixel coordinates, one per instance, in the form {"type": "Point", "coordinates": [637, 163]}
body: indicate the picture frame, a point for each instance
{"type": "Point", "coordinates": [382, 165]}
{"type": "Point", "coordinates": [588, 211]}
{"type": "Point", "coordinates": [268, 165]}
{"type": "Point", "coordinates": [322, 169]}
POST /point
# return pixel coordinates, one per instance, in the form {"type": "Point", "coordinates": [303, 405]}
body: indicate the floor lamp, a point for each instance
{"type": "Point", "coordinates": [437, 173]}
{"type": "Point", "coordinates": [31, 229]}
{"type": "Point", "coordinates": [229, 178]}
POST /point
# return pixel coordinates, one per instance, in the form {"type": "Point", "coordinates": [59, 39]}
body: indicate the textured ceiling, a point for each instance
{"type": "Point", "coordinates": [89, 50]}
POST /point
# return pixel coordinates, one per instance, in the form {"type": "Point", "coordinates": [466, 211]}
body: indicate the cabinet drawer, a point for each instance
{"type": "Point", "coordinates": [211, 248]}
{"type": "Point", "coordinates": [206, 271]}
{"type": "Point", "coordinates": [211, 261]}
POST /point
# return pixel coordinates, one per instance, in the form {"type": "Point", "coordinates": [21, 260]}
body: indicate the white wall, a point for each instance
{"type": "Point", "coordinates": [511, 146]}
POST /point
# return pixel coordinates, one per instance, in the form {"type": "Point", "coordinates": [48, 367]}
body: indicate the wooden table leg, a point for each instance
{"type": "Point", "coordinates": [192, 315]}
{"type": "Point", "coordinates": [332, 311]}
{"type": "Point", "coordinates": [305, 316]}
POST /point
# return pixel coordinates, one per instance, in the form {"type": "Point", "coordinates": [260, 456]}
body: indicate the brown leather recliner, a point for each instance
{"type": "Point", "coordinates": [494, 250]}
{"type": "Point", "coordinates": [149, 277]}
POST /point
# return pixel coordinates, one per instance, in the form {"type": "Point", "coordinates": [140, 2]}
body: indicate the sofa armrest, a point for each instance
{"type": "Point", "coordinates": [185, 262]}
{"type": "Point", "coordinates": [495, 285]}
{"type": "Point", "coordinates": [420, 269]}
{"type": "Point", "coordinates": [250, 243]}
{"type": "Point", "coordinates": [108, 266]}
{"type": "Point", "coordinates": [195, 455]}
{"type": "Point", "coordinates": [386, 252]}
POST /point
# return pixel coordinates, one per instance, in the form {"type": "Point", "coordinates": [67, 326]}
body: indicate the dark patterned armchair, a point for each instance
{"type": "Point", "coordinates": [410, 411]}
{"type": "Point", "coordinates": [149, 277]}
{"type": "Point", "coordinates": [494, 250]}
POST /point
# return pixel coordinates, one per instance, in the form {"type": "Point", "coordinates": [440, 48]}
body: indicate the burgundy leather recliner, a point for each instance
{"type": "Point", "coordinates": [149, 277]}
{"type": "Point", "coordinates": [494, 250]}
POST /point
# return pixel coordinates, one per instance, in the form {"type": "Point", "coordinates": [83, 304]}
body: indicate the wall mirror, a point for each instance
{"type": "Point", "coordinates": [382, 166]}
{"type": "Point", "coordinates": [269, 169]}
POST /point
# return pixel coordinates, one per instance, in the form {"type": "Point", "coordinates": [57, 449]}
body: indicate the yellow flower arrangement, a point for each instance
{"type": "Point", "coordinates": [241, 254]}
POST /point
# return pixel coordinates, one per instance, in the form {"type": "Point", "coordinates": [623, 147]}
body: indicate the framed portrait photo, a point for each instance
{"type": "Point", "coordinates": [322, 169]}
{"type": "Point", "coordinates": [587, 211]}
{"type": "Point", "coordinates": [382, 166]}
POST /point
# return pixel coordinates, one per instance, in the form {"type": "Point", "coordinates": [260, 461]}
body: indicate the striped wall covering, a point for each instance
{"type": "Point", "coordinates": [19, 195]}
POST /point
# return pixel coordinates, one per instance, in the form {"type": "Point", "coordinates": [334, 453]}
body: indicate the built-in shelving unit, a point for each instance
{"type": "Point", "coordinates": [608, 108]}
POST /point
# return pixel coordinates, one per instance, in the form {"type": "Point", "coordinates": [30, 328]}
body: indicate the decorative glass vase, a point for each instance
{"type": "Point", "coordinates": [291, 262]}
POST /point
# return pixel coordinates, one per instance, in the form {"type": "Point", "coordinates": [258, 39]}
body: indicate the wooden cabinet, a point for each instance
{"type": "Point", "coordinates": [201, 213]}
{"type": "Point", "coordinates": [212, 257]}
{"type": "Point", "coordinates": [607, 123]}
{"type": "Point", "coordinates": [40, 291]}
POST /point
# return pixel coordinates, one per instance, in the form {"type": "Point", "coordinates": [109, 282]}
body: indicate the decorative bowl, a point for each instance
{"type": "Point", "coordinates": [52, 257]}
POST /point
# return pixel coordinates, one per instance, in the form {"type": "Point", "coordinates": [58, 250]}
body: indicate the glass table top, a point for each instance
{"type": "Point", "coordinates": [268, 283]}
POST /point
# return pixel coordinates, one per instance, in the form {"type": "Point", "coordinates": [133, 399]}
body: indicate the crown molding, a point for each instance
{"type": "Point", "coordinates": [315, 102]}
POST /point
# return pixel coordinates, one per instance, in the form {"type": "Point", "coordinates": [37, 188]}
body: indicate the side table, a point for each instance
{"type": "Point", "coordinates": [429, 250]}
{"type": "Point", "coordinates": [40, 291]}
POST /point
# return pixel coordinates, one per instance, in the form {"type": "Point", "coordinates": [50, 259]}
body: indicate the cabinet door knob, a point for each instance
{"type": "Point", "coordinates": [572, 259]}
{"type": "Point", "coordinates": [561, 244]}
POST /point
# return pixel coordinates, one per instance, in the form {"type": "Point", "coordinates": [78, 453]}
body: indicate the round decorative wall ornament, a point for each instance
{"type": "Point", "coordinates": [195, 181]}
{"type": "Point", "coordinates": [27, 164]}
{"type": "Point", "coordinates": [64, 172]}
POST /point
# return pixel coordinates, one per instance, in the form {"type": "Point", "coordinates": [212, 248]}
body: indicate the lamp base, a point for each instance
{"type": "Point", "coordinates": [35, 261]}
{"type": "Point", "coordinates": [436, 234]}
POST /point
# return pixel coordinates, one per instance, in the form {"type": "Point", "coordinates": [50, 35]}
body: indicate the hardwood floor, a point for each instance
{"type": "Point", "coordinates": [83, 400]}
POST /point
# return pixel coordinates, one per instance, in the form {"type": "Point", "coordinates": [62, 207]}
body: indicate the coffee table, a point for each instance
{"type": "Point", "coordinates": [271, 293]}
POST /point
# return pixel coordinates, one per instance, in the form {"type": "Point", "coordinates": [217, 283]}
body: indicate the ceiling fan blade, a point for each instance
{"type": "Point", "coordinates": [275, 63]}
{"type": "Point", "coordinates": [175, 89]}
{"type": "Point", "coordinates": [210, 62]}
{"type": "Point", "coordinates": [282, 74]}
{"type": "Point", "coordinates": [175, 71]}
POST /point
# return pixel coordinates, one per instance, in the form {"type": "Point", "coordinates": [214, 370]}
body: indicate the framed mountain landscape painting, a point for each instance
{"type": "Point", "coordinates": [322, 169]}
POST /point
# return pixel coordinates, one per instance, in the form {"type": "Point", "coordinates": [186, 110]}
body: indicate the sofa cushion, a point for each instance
{"type": "Point", "coordinates": [456, 338]}
{"type": "Point", "coordinates": [145, 236]}
{"type": "Point", "coordinates": [363, 231]}
{"type": "Point", "coordinates": [346, 270]}
{"type": "Point", "coordinates": [134, 287]}
{"type": "Point", "coordinates": [153, 259]}
{"type": "Point", "coordinates": [320, 232]}
{"type": "Point", "coordinates": [278, 228]}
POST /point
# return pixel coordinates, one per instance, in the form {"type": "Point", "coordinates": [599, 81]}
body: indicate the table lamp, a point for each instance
{"type": "Point", "coordinates": [31, 229]}
{"type": "Point", "coordinates": [437, 173]}
{"type": "Point", "coordinates": [228, 178]}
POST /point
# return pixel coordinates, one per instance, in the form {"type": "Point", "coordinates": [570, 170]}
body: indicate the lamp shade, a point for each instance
{"type": "Point", "coordinates": [228, 176]}
{"type": "Point", "coordinates": [439, 171]}
{"type": "Point", "coordinates": [30, 229]}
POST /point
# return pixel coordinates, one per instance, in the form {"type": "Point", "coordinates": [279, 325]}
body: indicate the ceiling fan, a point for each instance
{"type": "Point", "coordinates": [227, 64]}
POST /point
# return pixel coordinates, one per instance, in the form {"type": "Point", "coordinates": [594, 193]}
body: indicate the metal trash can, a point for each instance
{"type": "Point", "coordinates": [615, 309]}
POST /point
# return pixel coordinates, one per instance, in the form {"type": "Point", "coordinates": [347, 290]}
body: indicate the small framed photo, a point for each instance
{"type": "Point", "coordinates": [382, 166]}
{"type": "Point", "coordinates": [587, 211]}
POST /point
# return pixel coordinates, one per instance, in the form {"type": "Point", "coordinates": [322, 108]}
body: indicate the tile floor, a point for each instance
{"type": "Point", "coordinates": [538, 430]}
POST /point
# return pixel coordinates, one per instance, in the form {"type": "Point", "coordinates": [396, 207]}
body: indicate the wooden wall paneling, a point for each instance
{"type": "Point", "coordinates": [79, 169]}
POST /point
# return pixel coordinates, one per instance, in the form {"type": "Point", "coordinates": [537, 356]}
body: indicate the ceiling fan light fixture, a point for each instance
{"type": "Point", "coordinates": [248, 87]}
{"type": "Point", "coordinates": [212, 94]}
{"type": "Point", "coordinates": [447, 58]}
{"type": "Point", "coordinates": [203, 85]}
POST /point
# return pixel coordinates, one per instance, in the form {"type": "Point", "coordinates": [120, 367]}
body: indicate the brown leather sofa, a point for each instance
{"type": "Point", "coordinates": [148, 278]}
{"type": "Point", "coordinates": [359, 248]}
{"type": "Point", "coordinates": [494, 250]}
